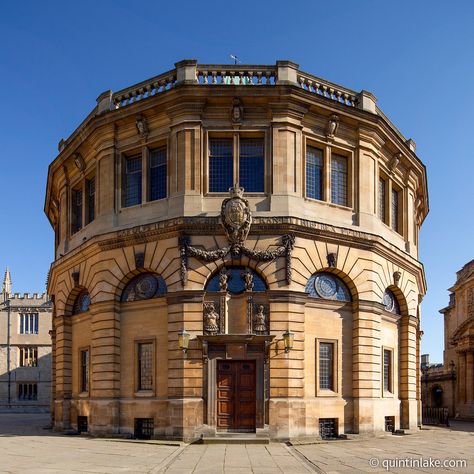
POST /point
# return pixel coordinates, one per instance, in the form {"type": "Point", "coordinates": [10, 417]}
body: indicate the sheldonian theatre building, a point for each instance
{"type": "Point", "coordinates": [236, 250]}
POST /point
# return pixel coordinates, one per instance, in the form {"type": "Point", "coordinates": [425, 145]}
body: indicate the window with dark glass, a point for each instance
{"type": "Point", "coordinates": [84, 370]}
{"type": "Point", "coordinates": [221, 164]}
{"type": "Point", "coordinates": [132, 181]}
{"type": "Point", "coordinates": [76, 210]}
{"type": "Point", "coordinates": [381, 200]}
{"type": "Point", "coordinates": [314, 173]}
{"type": "Point", "coordinates": [252, 165]}
{"type": "Point", "coordinates": [157, 174]}
{"type": "Point", "coordinates": [90, 200]}
{"type": "Point", "coordinates": [395, 210]}
{"type": "Point", "coordinates": [326, 361]}
{"type": "Point", "coordinates": [387, 370]}
{"type": "Point", "coordinates": [27, 391]}
{"type": "Point", "coordinates": [145, 366]}
{"type": "Point", "coordinates": [339, 180]}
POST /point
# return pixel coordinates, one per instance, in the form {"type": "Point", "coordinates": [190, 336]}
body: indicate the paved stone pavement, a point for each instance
{"type": "Point", "coordinates": [25, 447]}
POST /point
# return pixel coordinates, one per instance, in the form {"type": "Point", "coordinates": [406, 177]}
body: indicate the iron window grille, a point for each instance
{"type": "Point", "coordinates": [27, 391]}
{"type": "Point", "coordinates": [395, 210]}
{"type": "Point", "coordinates": [382, 197]}
{"type": "Point", "coordinates": [145, 366]}
{"type": "Point", "coordinates": [84, 370]}
{"type": "Point", "coordinates": [326, 365]}
{"type": "Point", "coordinates": [90, 196]}
{"type": "Point", "coordinates": [387, 371]}
{"type": "Point", "coordinates": [76, 210]}
{"type": "Point", "coordinates": [328, 428]}
{"type": "Point", "coordinates": [28, 356]}
{"type": "Point", "coordinates": [144, 428]}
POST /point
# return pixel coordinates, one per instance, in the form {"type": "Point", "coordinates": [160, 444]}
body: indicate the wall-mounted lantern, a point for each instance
{"type": "Point", "coordinates": [183, 340]}
{"type": "Point", "coordinates": [288, 338]}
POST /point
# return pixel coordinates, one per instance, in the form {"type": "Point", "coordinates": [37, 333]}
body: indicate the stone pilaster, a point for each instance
{"type": "Point", "coordinates": [287, 405]}
{"type": "Point", "coordinates": [469, 377]}
{"type": "Point", "coordinates": [461, 377]}
{"type": "Point", "coordinates": [408, 372]}
{"type": "Point", "coordinates": [185, 370]}
{"type": "Point", "coordinates": [63, 365]}
{"type": "Point", "coordinates": [105, 363]}
{"type": "Point", "coordinates": [366, 377]}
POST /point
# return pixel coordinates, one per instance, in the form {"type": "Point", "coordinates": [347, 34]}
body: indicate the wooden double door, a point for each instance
{"type": "Point", "coordinates": [236, 395]}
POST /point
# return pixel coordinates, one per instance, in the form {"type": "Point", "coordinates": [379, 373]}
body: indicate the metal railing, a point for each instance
{"type": "Point", "coordinates": [434, 416]}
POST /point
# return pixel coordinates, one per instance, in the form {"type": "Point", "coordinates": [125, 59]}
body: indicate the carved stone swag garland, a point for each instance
{"type": "Point", "coordinates": [236, 219]}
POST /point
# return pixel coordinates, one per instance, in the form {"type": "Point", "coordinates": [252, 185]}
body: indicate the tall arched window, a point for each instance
{"type": "Point", "coordinates": [327, 286]}
{"type": "Point", "coordinates": [390, 302]}
{"type": "Point", "coordinates": [82, 302]}
{"type": "Point", "coordinates": [236, 280]}
{"type": "Point", "coordinates": [144, 287]}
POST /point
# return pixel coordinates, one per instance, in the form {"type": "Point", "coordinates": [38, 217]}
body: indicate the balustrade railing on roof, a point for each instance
{"type": "Point", "coordinates": [236, 75]}
{"type": "Point", "coordinates": [327, 89]}
{"type": "Point", "coordinates": [145, 89]}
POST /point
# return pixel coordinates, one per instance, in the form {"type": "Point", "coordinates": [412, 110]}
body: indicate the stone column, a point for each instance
{"type": "Point", "coordinates": [185, 371]}
{"type": "Point", "coordinates": [366, 356]}
{"type": "Point", "coordinates": [408, 372]}
{"type": "Point", "coordinates": [63, 366]}
{"type": "Point", "coordinates": [287, 410]}
{"type": "Point", "coordinates": [469, 377]}
{"type": "Point", "coordinates": [105, 363]}
{"type": "Point", "coordinates": [461, 377]}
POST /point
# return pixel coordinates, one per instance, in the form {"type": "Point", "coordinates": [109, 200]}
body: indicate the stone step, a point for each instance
{"type": "Point", "coordinates": [220, 439]}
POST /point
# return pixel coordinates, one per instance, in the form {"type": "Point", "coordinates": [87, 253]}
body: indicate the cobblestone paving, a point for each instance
{"type": "Point", "coordinates": [25, 447]}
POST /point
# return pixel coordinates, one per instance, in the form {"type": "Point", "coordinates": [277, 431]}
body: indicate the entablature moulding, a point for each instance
{"type": "Point", "coordinates": [261, 226]}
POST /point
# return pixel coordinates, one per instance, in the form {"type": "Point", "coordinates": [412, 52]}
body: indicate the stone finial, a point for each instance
{"type": "Point", "coordinates": [411, 144]}
{"type": "Point", "coordinates": [104, 102]}
{"type": "Point", "coordinates": [7, 282]}
{"type": "Point", "coordinates": [61, 145]}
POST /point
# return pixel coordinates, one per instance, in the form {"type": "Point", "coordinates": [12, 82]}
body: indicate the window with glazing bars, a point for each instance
{"type": "Point", "coordinates": [339, 180]}
{"type": "Point", "coordinates": [221, 164]}
{"type": "Point", "coordinates": [157, 174]}
{"type": "Point", "coordinates": [252, 165]}
{"type": "Point", "coordinates": [90, 196]}
{"type": "Point", "coordinates": [27, 391]}
{"type": "Point", "coordinates": [28, 356]}
{"type": "Point", "coordinates": [132, 182]}
{"type": "Point", "coordinates": [314, 173]}
{"type": "Point", "coordinates": [387, 370]}
{"type": "Point", "coordinates": [29, 323]}
{"type": "Point", "coordinates": [381, 203]}
{"type": "Point", "coordinates": [326, 360]}
{"type": "Point", "coordinates": [84, 370]}
{"type": "Point", "coordinates": [145, 366]}
{"type": "Point", "coordinates": [76, 210]}
{"type": "Point", "coordinates": [395, 207]}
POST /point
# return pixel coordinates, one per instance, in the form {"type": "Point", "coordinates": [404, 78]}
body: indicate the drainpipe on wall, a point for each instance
{"type": "Point", "coordinates": [8, 351]}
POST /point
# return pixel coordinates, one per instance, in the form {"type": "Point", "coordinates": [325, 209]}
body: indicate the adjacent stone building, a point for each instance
{"type": "Point", "coordinates": [236, 251]}
{"type": "Point", "coordinates": [451, 384]}
{"type": "Point", "coordinates": [25, 350]}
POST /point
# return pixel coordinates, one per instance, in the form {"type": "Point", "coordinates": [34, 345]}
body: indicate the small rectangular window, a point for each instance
{"type": "Point", "coordinates": [132, 182]}
{"type": "Point", "coordinates": [84, 370]}
{"type": "Point", "coordinates": [145, 366]}
{"type": "Point", "coordinates": [314, 173]}
{"type": "Point", "coordinates": [29, 323]}
{"type": "Point", "coordinates": [76, 210]}
{"type": "Point", "coordinates": [381, 200]}
{"type": "Point", "coordinates": [387, 370]}
{"type": "Point", "coordinates": [326, 363]}
{"type": "Point", "coordinates": [28, 356]}
{"type": "Point", "coordinates": [90, 200]}
{"type": "Point", "coordinates": [27, 391]}
{"type": "Point", "coordinates": [252, 165]}
{"type": "Point", "coordinates": [157, 174]}
{"type": "Point", "coordinates": [395, 210]}
{"type": "Point", "coordinates": [221, 164]}
{"type": "Point", "coordinates": [339, 180]}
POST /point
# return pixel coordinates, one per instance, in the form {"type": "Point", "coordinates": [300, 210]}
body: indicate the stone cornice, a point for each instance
{"type": "Point", "coordinates": [203, 226]}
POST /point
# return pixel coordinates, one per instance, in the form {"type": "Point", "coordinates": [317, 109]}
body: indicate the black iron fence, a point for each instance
{"type": "Point", "coordinates": [435, 416]}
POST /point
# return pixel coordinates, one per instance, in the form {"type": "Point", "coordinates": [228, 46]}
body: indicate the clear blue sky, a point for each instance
{"type": "Point", "coordinates": [56, 57]}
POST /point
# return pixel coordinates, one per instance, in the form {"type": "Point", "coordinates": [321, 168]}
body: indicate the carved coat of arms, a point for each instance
{"type": "Point", "coordinates": [236, 217]}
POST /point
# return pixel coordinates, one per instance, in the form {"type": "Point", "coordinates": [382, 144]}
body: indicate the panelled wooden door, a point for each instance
{"type": "Point", "coordinates": [236, 395]}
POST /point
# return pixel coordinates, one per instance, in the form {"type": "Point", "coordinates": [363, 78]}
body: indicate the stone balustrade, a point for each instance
{"type": "Point", "coordinates": [327, 89]}
{"type": "Point", "coordinates": [236, 75]}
